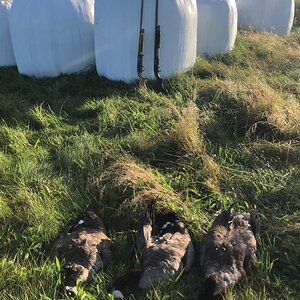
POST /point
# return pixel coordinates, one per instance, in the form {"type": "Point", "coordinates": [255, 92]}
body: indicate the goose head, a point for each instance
{"type": "Point", "coordinates": [73, 274]}
{"type": "Point", "coordinates": [217, 284]}
{"type": "Point", "coordinates": [87, 220]}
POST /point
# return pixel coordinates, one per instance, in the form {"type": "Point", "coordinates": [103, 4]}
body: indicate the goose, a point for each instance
{"type": "Point", "coordinates": [165, 248]}
{"type": "Point", "coordinates": [228, 251]}
{"type": "Point", "coordinates": [85, 247]}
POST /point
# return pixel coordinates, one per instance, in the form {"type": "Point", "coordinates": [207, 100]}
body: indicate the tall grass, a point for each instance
{"type": "Point", "coordinates": [228, 130]}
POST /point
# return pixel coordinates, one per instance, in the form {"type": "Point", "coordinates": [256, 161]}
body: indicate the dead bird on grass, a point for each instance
{"type": "Point", "coordinates": [228, 251]}
{"type": "Point", "coordinates": [165, 248]}
{"type": "Point", "coordinates": [85, 247]}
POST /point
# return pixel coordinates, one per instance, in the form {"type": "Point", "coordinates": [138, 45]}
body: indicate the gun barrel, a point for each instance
{"type": "Point", "coordinates": [157, 47]}
{"type": "Point", "coordinates": [141, 49]}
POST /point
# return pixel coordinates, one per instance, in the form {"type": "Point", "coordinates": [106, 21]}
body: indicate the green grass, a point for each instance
{"type": "Point", "coordinates": [228, 130]}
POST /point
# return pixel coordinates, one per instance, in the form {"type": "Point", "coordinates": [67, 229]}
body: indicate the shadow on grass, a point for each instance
{"type": "Point", "coordinates": [63, 94]}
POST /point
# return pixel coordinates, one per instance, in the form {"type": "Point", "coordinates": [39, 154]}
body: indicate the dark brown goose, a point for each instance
{"type": "Point", "coordinates": [228, 251]}
{"type": "Point", "coordinates": [85, 248]}
{"type": "Point", "coordinates": [165, 247]}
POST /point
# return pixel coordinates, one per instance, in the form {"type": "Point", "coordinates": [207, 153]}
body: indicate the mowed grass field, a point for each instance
{"type": "Point", "coordinates": [228, 130]}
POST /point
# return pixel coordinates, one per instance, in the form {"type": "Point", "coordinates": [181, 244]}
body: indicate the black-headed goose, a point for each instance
{"type": "Point", "coordinates": [165, 248]}
{"type": "Point", "coordinates": [85, 247]}
{"type": "Point", "coordinates": [228, 251]}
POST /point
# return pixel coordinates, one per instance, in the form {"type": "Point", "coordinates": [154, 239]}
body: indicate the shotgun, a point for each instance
{"type": "Point", "coordinates": [141, 50]}
{"type": "Point", "coordinates": [157, 48]}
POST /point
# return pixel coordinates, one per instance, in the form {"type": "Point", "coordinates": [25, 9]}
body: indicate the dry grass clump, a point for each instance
{"type": "Point", "coordinates": [282, 152]}
{"type": "Point", "coordinates": [186, 133]}
{"type": "Point", "coordinates": [266, 104]}
{"type": "Point", "coordinates": [252, 108]}
{"type": "Point", "coordinates": [278, 53]}
{"type": "Point", "coordinates": [178, 137]}
{"type": "Point", "coordinates": [211, 172]}
{"type": "Point", "coordinates": [280, 45]}
{"type": "Point", "coordinates": [189, 140]}
{"type": "Point", "coordinates": [139, 185]}
{"type": "Point", "coordinates": [186, 140]}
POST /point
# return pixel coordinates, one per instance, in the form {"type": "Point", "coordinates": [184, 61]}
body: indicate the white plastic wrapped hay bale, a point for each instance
{"type": "Point", "coordinates": [274, 16]}
{"type": "Point", "coordinates": [117, 26]}
{"type": "Point", "coordinates": [52, 37]}
{"type": "Point", "coordinates": [217, 26]}
{"type": "Point", "coordinates": [6, 51]}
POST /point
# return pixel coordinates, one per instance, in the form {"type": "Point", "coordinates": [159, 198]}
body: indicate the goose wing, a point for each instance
{"type": "Point", "coordinates": [165, 257]}
{"type": "Point", "coordinates": [244, 241]}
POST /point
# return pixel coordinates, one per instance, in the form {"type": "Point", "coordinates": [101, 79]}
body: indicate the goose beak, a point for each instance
{"type": "Point", "coordinates": [220, 288]}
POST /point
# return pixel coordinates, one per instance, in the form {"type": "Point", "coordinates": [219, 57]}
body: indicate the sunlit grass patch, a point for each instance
{"type": "Point", "coordinates": [227, 130]}
{"type": "Point", "coordinates": [237, 110]}
{"type": "Point", "coordinates": [26, 279]}
{"type": "Point", "coordinates": [186, 133]}
{"type": "Point", "coordinates": [287, 152]}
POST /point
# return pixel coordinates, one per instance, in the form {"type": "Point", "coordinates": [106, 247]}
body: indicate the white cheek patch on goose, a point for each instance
{"type": "Point", "coordinates": [156, 237]}
{"type": "Point", "coordinates": [73, 228]}
{"type": "Point", "coordinates": [80, 222]}
{"type": "Point", "coordinates": [166, 226]}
